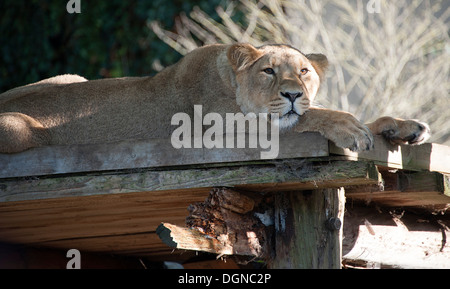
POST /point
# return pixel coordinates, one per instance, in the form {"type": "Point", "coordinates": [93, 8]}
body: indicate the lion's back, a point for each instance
{"type": "Point", "coordinates": [37, 86]}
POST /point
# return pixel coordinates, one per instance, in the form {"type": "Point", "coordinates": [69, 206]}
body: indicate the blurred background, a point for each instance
{"type": "Point", "coordinates": [387, 57]}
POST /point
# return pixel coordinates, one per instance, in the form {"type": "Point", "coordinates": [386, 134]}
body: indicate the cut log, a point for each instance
{"type": "Point", "coordinates": [224, 224]}
{"type": "Point", "coordinates": [231, 200]}
{"type": "Point", "coordinates": [191, 239]}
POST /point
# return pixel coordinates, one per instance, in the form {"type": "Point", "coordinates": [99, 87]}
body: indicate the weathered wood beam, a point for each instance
{"type": "Point", "coordinates": [135, 154]}
{"type": "Point", "coordinates": [308, 229]}
{"type": "Point", "coordinates": [266, 177]}
{"type": "Point", "coordinates": [317, 175]}
{"type": "Point", "coordinates": [407, 189]}
{"type": "Point", "coordinates": [428, 156]}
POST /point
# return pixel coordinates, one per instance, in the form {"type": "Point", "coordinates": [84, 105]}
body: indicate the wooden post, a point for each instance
{"type": "Point", "coordinates": [308, 229]}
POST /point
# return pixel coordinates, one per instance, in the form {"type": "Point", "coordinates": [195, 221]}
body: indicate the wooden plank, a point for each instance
{"type": "Point", "coordinates": [303, 240]}
{"type": "Point", "coordinates": [407, 189]}
{"type": "Point", "coordinates": [431, 200]}
{"type": "Point", "coordinates": [41, 221]}
{"type": "Point", "coordinates": [268, 176]}
{"type": "Point", "coordinates": [160, 153]}
{"type": "Point", "coordinates": [136, 154]}
{"type": "Point", "coordinates": [428, 156]}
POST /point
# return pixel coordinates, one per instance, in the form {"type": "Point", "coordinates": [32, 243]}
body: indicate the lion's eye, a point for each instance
{"type": "Point", "coordinates": [304, 71]}
{"type": "Point", "coordinates": [269, 71]}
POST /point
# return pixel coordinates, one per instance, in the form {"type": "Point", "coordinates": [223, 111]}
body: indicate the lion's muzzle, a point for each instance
{"type": "Point", "coordinates": [292, 96]}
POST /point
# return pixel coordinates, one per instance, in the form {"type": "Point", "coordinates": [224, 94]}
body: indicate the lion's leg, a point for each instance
{"type": "Point", "coordinates": [342, 128]}
{"type": "Point", "coordinates": [19, 132]}
{"type": "Point", "coordinates": [400, 131]}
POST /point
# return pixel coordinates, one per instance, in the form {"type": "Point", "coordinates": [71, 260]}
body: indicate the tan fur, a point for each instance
{"type": "Point", "coordinates": [400, 131]}
{"type": "Point", "coordinates": [223, 78]}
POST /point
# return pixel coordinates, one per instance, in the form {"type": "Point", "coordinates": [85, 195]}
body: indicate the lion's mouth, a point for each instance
{"type": "Point", "coordinates": [291, 115]}
{"type": "Point", "coordinates": [288, 117]}
{"type": "Point", "coordinates": [292, 112]}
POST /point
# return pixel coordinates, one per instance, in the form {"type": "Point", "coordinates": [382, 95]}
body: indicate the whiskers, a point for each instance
{"type": "Point", "coordinates": [288, 112]}
{"type": "Point", "coordinates": [279, 105]}
{"type": "Point", "coordinates": [283, 107]}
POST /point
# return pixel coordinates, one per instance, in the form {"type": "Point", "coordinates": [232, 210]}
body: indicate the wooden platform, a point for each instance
{"type": "Point", "coordinates": [111, 198]}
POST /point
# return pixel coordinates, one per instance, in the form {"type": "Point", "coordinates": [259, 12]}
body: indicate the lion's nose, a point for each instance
{"type": "Point", "coordinates": [292, 96]}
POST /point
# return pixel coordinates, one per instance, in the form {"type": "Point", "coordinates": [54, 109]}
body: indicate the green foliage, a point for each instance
{"type": "Point", "coordinates": [40, 39]}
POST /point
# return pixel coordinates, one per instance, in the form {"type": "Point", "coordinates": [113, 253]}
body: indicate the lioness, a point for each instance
{"type": "Point", "coordinates": [223, 78]}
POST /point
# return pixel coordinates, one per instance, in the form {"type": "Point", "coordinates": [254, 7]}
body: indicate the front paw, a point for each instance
{"type": "Point", "coordinates": [348, 132]}
{"type": "Point", "coordinates": [340, 127]}
{"type": "Point", "coordinates": [399, 131]}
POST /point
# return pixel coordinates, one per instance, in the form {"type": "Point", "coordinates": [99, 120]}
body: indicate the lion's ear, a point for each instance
{"type": "Point", "coordinates": [320, 64]}
{"type": "Point", "coordinates": [242, 55]}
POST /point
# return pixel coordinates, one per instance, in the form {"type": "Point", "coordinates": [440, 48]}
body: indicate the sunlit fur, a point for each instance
{"type": "Point", "coordinates": [222, 78]}
{"type": "Point", "coordinates": [259, 91]}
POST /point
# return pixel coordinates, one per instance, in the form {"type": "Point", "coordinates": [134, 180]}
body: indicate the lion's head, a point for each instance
{"type": "Point", "coordinates": [276, 79]}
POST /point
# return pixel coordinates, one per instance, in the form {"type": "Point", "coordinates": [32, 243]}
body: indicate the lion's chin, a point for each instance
{"type": "Point", "coordinates": [288, 120]}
